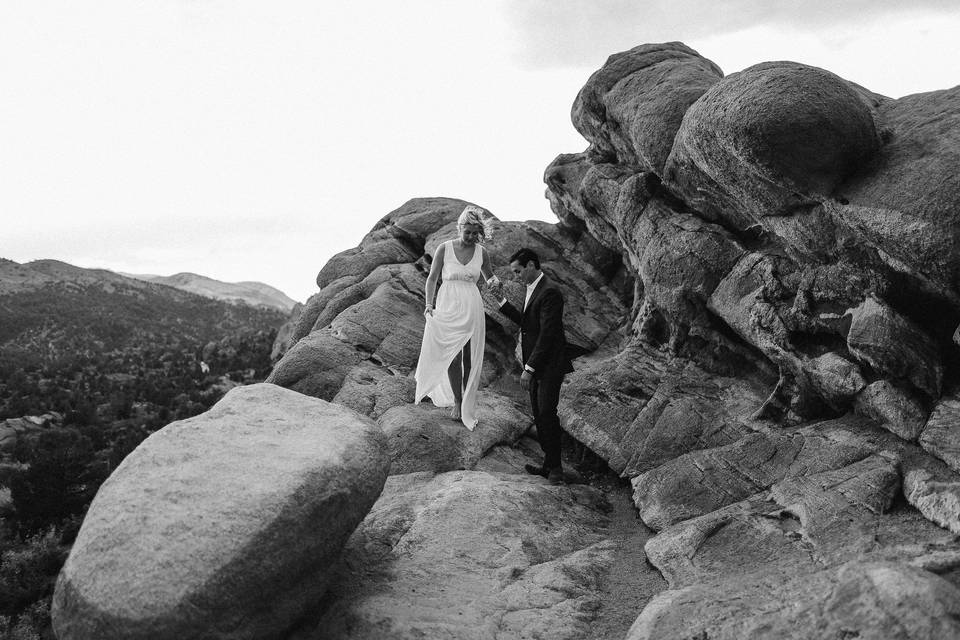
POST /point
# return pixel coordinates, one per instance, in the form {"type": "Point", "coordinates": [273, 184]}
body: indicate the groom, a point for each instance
{"type": "Point", "coordinates": [544, 350]}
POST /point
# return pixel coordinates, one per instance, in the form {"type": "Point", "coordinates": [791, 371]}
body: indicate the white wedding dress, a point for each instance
{"type": "Point", "coordinates": [458, 318]}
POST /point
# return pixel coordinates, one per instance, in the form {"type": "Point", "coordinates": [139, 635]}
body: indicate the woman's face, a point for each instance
{"type": "Point", "coordinates": [470, 233]}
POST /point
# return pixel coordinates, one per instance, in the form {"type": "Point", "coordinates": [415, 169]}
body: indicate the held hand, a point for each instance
{"type": "Point", "coordinates": [428, 311]}
{"type": "Point", "coordinates": [525, 379]}
{"type": "Point", "coordinates": [495, 286]}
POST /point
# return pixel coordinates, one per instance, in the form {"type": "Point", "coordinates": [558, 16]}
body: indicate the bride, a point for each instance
{"type": "Point", "coordinates": [451, 354]}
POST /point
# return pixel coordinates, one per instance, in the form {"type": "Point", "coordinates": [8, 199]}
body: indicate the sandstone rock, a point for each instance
{"type": "Point", "coordinates": [894, 346]}
{"type": "Point", "coordinates": [388, 324]}
{"type": "Point", "coordinates": [583, 194]}
{"type": "Point", "coordinates": [470, 555]}
{"type": "Point", "coordinates": [835, 378]}
{"type": "Point", "coordinates": [632, 107]}
{"type": "Point", "coordinates": [681, 260]}
{"type": "Point", "coordinates": [941, 435]}
{"type": "Point", "coordinates": [933, 488]}
{"type": "Point", "coordinates": [373, 390]}
{"type": "Point", "coordinates": [226, 525]}
{"type": "Point", "coordinates": [881, 600]}
{"type": "Point", "coordinates": [702, 481]}
{"type": "Point", "coordinates": [316, 365]}
{"type": "Point", "coordinates": [767, 140]}
{"type": "Point", "coordinates": [424, 438]}
{"type": "Point", "coordinates": [895, 409]}
{"type": "Point", "coordinates": [802, 524]}
{"type": "Point", "coordinates": [907, 201]}
{"type": "Point", "coordinates": [398, 237]}
{"type": "Point", "coordinates": [642, 408]}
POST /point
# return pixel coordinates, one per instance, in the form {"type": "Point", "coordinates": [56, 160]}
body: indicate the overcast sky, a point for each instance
{"type": "Point", "coordinates": [251, 140]}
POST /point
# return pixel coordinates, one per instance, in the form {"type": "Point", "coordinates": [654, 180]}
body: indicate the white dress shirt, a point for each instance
{"type": "Point", "coordinates": [530, 288]}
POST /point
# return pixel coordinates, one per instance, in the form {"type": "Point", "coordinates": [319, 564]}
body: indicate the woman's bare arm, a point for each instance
{"type": "Point", "coordinates": [431, 288]}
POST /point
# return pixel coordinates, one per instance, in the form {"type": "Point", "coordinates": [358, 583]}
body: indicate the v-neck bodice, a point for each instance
{"type": "Point", "coordinates": [454, 270]}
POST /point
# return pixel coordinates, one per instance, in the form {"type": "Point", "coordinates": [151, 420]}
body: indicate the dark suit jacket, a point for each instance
{"type": "Point", "coordinates": [542, 339]}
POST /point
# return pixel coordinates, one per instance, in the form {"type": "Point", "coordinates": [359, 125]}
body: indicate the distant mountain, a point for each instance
{"type": "Point", "coordinates": [49, 308]}
{"type": "Point", "coordinates": [252, 293]}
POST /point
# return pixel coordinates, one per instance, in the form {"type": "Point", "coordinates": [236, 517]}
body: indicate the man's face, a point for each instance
{"type": "Point", "coordinates": [524, 273]}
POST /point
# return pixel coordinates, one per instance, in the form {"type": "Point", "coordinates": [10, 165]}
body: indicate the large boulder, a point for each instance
{"type": "Point", "coordinates": [770, 139]}
{"type": "Point", "coordinates": [225, 525]}
{"type": "Point", "coordinates": [631, 108]}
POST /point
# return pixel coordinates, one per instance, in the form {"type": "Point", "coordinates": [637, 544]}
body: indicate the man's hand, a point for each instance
{"type": "Point", "coordinates": [525, 379]}
{"type": "Point", "coordinates": [495, 286]}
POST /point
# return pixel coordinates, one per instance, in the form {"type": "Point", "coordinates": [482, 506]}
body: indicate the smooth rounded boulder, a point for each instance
{"type": "Point", "coordinates": [225, 525]}
{"type": "Point", "coordinates": [769, 139]}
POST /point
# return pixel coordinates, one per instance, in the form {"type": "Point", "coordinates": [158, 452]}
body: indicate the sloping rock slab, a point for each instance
{"type": "Point", "coordinates": [881, 600]}
{"type": "Point", "coordinates": [933, 488]}
{"type": "Point", "coordinates": [225, 525]}
{"type": "Point", "coordinates": [802, 524]}
{"type": "Point", "coordinates": [471, 555]}
{"type": "Point", "coordinates": [424, 438]}
{"type": "Point", "coordinates": [642, 408]}
{"type": "Point", "coordinates": [703, 481]}
{"type": "Point", "coordinates": [941, 435]}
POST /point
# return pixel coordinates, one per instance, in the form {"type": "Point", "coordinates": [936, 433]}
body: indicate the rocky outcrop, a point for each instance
{"type": "Point", "coordinates": [358, 339]}
{"type": "Point", "coordinates": [226, 525]}
{"type": "Point", "coordinates": [759, 274]}
{"type": "Point", "coordinates": [792, 240]}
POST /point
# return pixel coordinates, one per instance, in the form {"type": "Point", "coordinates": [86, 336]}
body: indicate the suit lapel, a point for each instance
{"type": "Point", "coordinates": [536, 292]}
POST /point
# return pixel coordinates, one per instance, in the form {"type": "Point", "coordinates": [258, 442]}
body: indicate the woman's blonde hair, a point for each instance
{"type": "Point", "coordinates": [472, 214]}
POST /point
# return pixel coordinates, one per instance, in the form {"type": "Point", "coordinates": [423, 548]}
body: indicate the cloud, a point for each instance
{"type": "Point", "coordinates": [559, 33]}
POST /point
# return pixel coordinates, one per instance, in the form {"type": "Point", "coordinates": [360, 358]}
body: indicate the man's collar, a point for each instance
{"type": "Point", "coordinates": [533, 284]}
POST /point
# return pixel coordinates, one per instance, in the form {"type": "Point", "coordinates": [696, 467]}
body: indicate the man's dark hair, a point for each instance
{"type": "Point", "coordinates": [523, 256]}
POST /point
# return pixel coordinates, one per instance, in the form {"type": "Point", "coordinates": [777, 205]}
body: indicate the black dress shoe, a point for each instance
{"type": "Point", "coordinates": [555, 476]}
{"type": "Point", "coordinates": [534, 470]}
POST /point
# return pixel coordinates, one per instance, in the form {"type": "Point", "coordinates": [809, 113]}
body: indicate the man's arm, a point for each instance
{"type": "Point", "coordinates": [511, 311]}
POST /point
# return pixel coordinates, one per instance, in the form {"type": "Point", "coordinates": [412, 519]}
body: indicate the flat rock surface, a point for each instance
{"type": "Point", "coordinates": [425, 438]}
{"type": "Point", "coordinates": [471, 554]}
{"type": "Point", "coordinates": [880, 600]}
{"type": "Point", "coordinates": [699, 482]}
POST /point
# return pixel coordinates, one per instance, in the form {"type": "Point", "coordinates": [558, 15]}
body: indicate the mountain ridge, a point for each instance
{"type": "Point", "coordinates": [18, 277]}
{"type": "Point", "coordinates": [246, 292]}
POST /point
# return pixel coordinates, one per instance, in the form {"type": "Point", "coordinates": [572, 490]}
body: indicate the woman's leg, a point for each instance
{"type": "Point", "coordinates": [458, 372]}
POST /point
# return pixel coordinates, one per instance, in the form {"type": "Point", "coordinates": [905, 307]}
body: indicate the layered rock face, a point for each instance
{"type": "Point", "coordinates": [792, 236]}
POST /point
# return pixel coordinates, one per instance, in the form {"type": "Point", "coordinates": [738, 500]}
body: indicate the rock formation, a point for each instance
{"type": "Point", "coordinates": [760, 272]}
{"type": "Point", "coordinates": [791, 234]}
{"type": "Point", "coordinates": [226, 525]}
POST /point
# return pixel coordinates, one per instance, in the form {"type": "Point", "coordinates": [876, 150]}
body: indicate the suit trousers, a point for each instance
{"type": "Point", "coordinates": [544, 396]}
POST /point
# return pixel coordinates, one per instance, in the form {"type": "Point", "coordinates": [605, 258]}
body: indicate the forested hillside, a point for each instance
{"type": "Point", "coordinates": [107, 361]}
